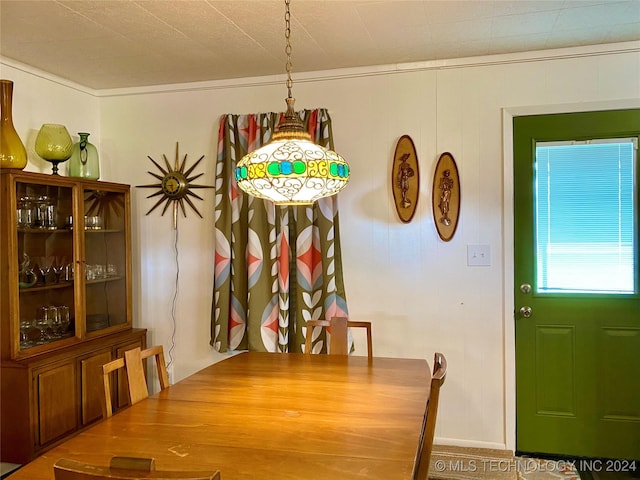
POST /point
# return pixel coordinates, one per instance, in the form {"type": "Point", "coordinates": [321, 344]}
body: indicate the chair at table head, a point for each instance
{"type": "Point", "coordinates": [124, 468]}
{"type": "Point", "coordinates": [423, 458]}
{"type": "Point", "coordinates": [133, 363]}
{"type": "Point", "coordinates": [339, 338]}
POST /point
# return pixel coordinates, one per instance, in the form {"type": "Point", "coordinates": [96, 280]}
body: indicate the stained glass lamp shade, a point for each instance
{"type": "Point", "coordinates": [291, 169]}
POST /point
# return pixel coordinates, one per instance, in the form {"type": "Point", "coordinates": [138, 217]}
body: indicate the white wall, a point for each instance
{"type": "Point", "coordinates": [417, 291]}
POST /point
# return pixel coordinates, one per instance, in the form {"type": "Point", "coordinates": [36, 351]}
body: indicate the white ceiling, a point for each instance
{"type": "Point", "coordinates": [105, 44]}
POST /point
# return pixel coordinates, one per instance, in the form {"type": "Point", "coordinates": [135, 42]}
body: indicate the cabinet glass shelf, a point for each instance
{"type": "Point", "coordinates": [39, 288]}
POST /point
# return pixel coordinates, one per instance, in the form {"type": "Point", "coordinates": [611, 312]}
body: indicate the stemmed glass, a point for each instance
{"type": "Point", "coordinates": [39, 274]}
{"type": "Point", "coordinates": [25, 327]}
{"type": "Point", "coordinates": [58, 268]}
{"type": "Point", "coordinates": [44, 322]}
{"type": "Point", "coordinates": [46, 270]}
{"type": "Point", "coordinates": [53, 320]}
{"type": "Point", "coordinates": [41, 270]}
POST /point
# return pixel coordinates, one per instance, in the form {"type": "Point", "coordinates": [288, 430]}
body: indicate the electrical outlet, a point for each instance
{"type": "Point", "coordinates": [170, 374]}
{"type": "Point", "coordinates": [478, 255]}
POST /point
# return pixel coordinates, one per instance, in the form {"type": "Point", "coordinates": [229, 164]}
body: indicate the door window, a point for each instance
{"type": "Point", "coordinates": [584, 224]}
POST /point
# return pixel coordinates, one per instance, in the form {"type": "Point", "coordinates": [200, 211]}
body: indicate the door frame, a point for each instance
{"type": "Point", "coordinates": [508, 314]}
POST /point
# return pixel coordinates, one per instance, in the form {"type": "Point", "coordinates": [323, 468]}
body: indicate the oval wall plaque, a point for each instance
{"type": "Point", "coordinates": [445, 200]}
{"type": "Point", "coordinates": [405, 178]}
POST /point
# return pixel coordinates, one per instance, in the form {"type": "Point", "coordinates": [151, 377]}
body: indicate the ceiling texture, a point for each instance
{"type": "Point", "coordinates": [110, 44]}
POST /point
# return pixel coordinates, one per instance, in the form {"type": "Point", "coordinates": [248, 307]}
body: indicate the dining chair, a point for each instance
{"type": "Point", "coordinates": [124, 468]}
{"type": "Point", "coordinates": [339, 338]}
{"type": "Point", "coordinates": [132, 362]}
{"type": "Point", "coordinates": [423, 458]}
{"type": "Point", "coordinates": [107, 369]}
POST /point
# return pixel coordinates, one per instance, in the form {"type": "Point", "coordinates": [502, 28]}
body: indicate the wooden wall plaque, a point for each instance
{"type": "Point", "coordinates": [405, 178]}
{"type": "Point", "coordinates": [445, 200]}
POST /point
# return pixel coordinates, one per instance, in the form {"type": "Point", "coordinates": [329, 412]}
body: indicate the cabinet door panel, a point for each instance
{"type": "Point", "coordinates": [106, 250]}
{"type": "Point", "coordinates": [92, 386]}
{"type": "Point", "coordinates": [56, 401]}
{"type": "Point", "coordinates": [45, 250]}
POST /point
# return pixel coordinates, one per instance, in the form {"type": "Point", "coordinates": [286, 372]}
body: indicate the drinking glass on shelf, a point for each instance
{"type": "Point", "coordinates": [44, 270]}
{"type": "Point", "coordinates": [42, 324]}
{"type": "Point", "coordinates": [50, 274]}
{"type": "Point", "coordinates": [112, 270]}
{"type": "Point", "coordinates": [25, 212]}
{"type": "Point", "coordinates": [53, 320]}
{"type": "Point", "coordinates": [93, 222]}
{"type": "Point", "coordinates": [25, 330]}
{"type": "Point", "coordinates": [58, 268]}
{"type": "Point", "coordinates": [100, 271]}
{"type": "Point", "coordinates": [39, 273]}
{"type": "Point", "coordinates": [45, 213]}
{"type": "Point", "coordinates": [90, 273]}
{"type": "Point", "coordinates": [68, 272]}
{"type": "Point", "coordinates": [63, 320]}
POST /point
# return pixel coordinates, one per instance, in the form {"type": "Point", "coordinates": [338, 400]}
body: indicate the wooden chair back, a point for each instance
{"type": "Point", "coordinates": [423, 458]}
{"type": "Point", "coordinates": [124, 468]}
{"type": "Point", "coordinates": [339, 339]}
{"type": "Point", "coordinates": [133, 363]}
{"type": "Point", "coordinates": [107, 368]}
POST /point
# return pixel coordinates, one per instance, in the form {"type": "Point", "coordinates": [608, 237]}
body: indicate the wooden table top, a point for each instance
{"type": "Point", "coordinates": [269, 416]}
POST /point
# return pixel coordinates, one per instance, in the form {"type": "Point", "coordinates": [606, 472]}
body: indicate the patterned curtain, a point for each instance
{"type": "Point", "coordinates": [275, 267]}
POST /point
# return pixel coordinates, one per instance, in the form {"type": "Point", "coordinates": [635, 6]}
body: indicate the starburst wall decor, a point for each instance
{"type": "Point", "coordinates": [175, 186]}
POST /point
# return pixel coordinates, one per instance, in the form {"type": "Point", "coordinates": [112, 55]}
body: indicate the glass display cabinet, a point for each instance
{"type": "Point", "coordinates": [65, 270]}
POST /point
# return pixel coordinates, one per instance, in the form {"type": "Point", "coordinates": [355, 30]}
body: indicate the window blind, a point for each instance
{"type": "Point", "coordinates": [585, 237]}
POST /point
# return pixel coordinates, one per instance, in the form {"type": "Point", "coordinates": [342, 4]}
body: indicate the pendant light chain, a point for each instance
{"type": "Point", "coordinates": [287, 48]}
{"type": "Point", "coordinates": [291, 169]}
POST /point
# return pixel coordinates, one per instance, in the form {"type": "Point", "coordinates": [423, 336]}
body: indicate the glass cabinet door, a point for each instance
{"type": "Point", "coordinates": [105, 253]}
{"type": "Point", "coordinates": [45, 247]}
{"type": "Point", "coordinates": [64, 264]}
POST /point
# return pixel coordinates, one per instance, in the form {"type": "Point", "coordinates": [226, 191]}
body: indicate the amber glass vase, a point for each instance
{"type": "Point", "coordinates": [12, 151]}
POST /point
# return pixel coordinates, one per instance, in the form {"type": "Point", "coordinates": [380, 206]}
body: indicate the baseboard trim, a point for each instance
{"type": "Point", "coordinates": [458, 442]}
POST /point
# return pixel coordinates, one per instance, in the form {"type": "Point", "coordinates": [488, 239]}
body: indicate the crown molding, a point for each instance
{"type": "Point", "coordinates": [338, 74]}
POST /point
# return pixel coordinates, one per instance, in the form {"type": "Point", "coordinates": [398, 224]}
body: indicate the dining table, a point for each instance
{"type": "Point", "coordinates": [259, 416]}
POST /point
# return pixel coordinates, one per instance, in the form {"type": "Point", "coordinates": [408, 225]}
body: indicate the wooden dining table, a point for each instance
{"type": "Point", "coordinates": [259, 416]}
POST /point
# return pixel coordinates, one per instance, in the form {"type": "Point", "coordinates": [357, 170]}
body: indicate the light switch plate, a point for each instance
{"type": "Point", "coordinates": [478, 255]}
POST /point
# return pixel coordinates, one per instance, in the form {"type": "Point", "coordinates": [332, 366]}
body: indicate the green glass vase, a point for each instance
{"type": "Point", "coordinates": [53, 144]}
{"type": "Point", "coordinates": [12, 151]}
{"type": "Point", "coordinates": [84, 161]}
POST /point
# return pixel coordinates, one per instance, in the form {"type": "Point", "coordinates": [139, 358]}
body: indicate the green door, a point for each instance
{"type": "Point", "coordinates": [577, 284]}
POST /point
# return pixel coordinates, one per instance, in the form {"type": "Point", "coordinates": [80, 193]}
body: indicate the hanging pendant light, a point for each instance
{"type": "Point", "coordinates": [291, 169]}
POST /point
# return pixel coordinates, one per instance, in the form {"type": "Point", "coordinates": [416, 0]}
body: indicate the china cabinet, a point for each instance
{"type": "Point", "coordinates": [65, 305]}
